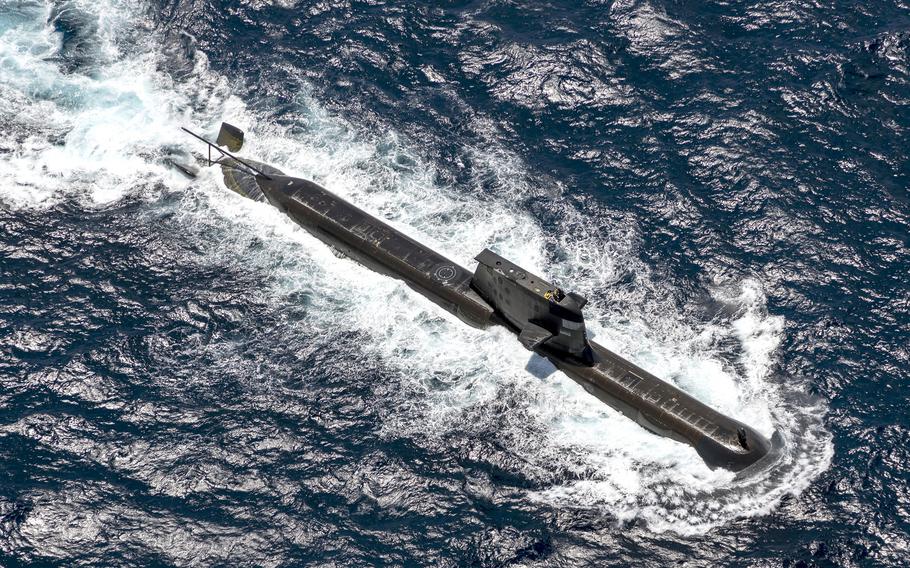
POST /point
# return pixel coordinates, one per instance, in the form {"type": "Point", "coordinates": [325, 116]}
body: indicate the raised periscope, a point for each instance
{"type": "Point", "coordinates": [546, 320]}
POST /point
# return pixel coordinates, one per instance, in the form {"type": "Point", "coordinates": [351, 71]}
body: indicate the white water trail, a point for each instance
{"type": "Point", "coordinates": [97, 136]}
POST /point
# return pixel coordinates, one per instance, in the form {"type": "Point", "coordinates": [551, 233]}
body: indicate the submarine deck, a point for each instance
{"type": "Point", "coordinates": [379, 246]}
{"type": "Point", "coordinates": [666, 410]}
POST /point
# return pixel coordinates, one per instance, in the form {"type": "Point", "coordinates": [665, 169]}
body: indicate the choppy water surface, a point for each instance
{"type": "Point", "coordinates": [187, 378]}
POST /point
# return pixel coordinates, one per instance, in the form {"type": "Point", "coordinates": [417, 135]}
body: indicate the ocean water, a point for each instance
{"type": "Point", "coordinates": [188, 378]}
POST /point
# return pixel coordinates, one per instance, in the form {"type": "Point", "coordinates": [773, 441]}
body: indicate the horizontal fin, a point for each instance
{"type": "Point", "coordinates": [533, 336]}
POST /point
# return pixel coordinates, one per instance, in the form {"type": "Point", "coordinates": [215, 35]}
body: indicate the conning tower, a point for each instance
{"type": "Point", "coordinates": [543, 314]}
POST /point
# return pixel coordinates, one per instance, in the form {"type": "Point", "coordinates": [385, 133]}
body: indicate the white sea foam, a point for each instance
{"type": "Point", "coordinates": [99, 136]}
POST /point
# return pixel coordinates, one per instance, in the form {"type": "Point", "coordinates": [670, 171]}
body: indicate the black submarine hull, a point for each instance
{"type": "Point", "coordinates": [523, 298]}
{"type": "Point", "coordinates": [654, 404]}
{"type": "Point", "coordinates": [371, 242]}
{"type": "Point", "coordinates": [663, 409]}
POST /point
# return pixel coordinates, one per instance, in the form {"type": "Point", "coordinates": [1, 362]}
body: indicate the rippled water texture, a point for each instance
{"type": "Point", "coordinates": [187, 378]}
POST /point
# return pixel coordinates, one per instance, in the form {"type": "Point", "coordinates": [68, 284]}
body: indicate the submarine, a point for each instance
{"type": "Point", "coordinates": [546, 319]}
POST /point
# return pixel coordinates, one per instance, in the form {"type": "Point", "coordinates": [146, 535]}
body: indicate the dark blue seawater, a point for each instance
{"type": "Point", "coordinates": [186, 378]}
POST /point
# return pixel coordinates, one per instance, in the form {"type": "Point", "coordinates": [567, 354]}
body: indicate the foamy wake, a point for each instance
{"type": "Point", "coordinates": [96, 135]}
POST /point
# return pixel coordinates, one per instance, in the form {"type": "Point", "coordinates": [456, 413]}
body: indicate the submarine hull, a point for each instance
{"type": "Point", "coordinates": [663, 409]}
{"type": "Point", "coordinates": [654, 404]}
{"type": "Point", "coordinates": [550, 323]}
{"type": "Point", "coordinates": [378, 246]}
